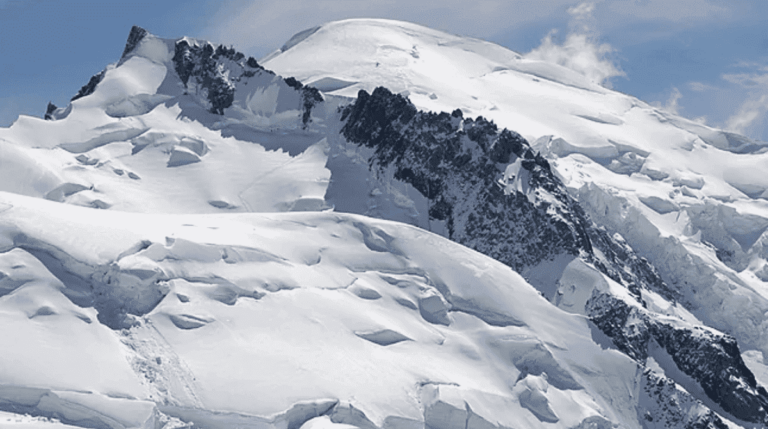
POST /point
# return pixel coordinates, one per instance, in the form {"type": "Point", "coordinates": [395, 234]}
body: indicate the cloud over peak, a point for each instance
{"type": "Point", "coordinates": [580, 51]}
{"type": "Point", "coordinates": [750, 118]}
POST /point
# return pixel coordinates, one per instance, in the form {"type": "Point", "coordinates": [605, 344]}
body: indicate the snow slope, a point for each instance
{"type": "Point", "coordinates": [278, 320]}
{"type": "Point", "coordinates": [689, 198]}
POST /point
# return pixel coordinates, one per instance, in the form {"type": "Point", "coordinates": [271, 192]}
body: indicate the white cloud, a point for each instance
{"type": "Point", "coordinates": [750, 118]}
{"type": "Point", "coordinates": [748, 80]}
{"type": "Point", "coordinates": [699, 86]}
{"type": "Point", "coordinates": [673, 105]}
{"type": "Point", "coordinates": [580, 51]}
{"type": "Point", "coordinates": [582, 20]}
{"type": "Point", "coordinates": [750, 65]}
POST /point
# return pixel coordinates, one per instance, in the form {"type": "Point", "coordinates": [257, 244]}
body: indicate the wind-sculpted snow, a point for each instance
{"type": "Point", "coordinates": [299, 310]}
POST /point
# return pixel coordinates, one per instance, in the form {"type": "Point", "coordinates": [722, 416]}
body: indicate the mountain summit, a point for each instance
{"type": "Point", "coordinates": [379, 225]}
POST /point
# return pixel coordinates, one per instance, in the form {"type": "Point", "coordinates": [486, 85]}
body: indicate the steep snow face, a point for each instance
{"type": "Point", "coordinates": [687, 197]}
{"type": "Point", "coordinates": [162, 321]}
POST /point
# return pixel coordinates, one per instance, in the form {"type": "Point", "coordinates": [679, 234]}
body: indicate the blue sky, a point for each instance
{"type": "Point", "coordinates": [706, 59]}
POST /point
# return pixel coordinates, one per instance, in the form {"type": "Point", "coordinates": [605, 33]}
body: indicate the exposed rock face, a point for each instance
{"type": "Point", "coordinates": [216, 73]}
{"type": "Point", "coordinates": [89, 87]}
{"type": "Point", "coordinates": [714, 360]}
{"type": "Point", "coordinates": [219, 77]}
{"type": "Point", "coordinates": [201, 64]}
{"type": "Point", "coordinates": [134, 37]}
{"type": "Point", "coordinates": [453, 162]}
{"type": "Point", "coordinates": [49, 111]}
{"type": "Point", "coordinates": [710, 358]}
{"type": "Point", "coordinates": [625, 324]}
{"type": "Point", "coordinates": [676, 408]}
{"type": "Point", "coordinates": [309, 97]}
{"type": "Point", "coordinates": [520, 218]}
{"type": "Point", "coordinates": [522, 215]}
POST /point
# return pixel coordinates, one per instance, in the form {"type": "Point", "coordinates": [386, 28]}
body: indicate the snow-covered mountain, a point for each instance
{"type": "Point", "coordinates": [616, 277]}
{"type": "Point", "coordinates": [688, 198]}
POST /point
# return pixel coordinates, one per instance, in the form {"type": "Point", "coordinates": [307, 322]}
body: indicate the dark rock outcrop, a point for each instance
{"type": "Point", "coordinates": [49, 111]}
{"type": "Point", "coordinates": [674, 406]}
{"type": "Point", "coordinates": [198, 62]}
{"type": "Point", "coordinates": [453, 162]}
{"type": "Point", "coordinates": [89, 87]}
{"type": "Point", "coordinates": [714, 361]}
{"type": "Point", "coordinates": [218, 70]}
{"type": "Point", "coordinates": [309, 97]}
{"type": "Point", "coordinates": [213, 73]}
{"type": "Point", "coordinates": [134, 37]}
{"type": "Point", "coordinates": [710, 358]}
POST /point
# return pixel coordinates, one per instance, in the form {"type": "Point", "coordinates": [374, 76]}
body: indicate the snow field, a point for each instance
{"type": "Point", "coordinates": [316, 308]}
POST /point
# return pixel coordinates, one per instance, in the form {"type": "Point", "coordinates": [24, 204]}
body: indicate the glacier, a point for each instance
{"type": "Point", "coordinates": [378, 225]}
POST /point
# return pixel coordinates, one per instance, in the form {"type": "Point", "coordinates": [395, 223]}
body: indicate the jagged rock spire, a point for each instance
{"type": "Point", "coordinates": [134, 37]}
{"type": "Point", "coordinates": [49, 111]}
